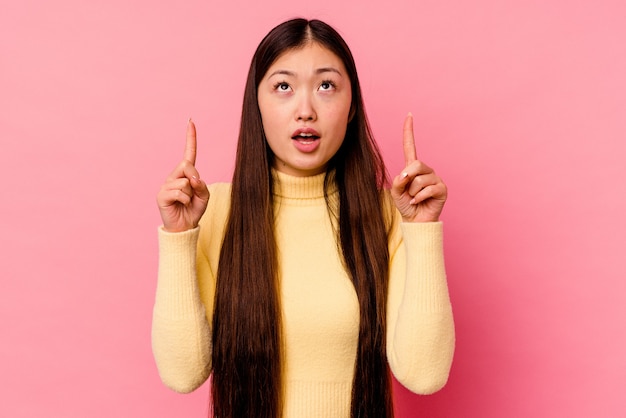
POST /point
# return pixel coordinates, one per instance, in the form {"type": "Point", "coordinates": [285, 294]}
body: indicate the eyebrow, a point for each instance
{"type": "Point", "coordinates": [327, 70]}
{"type": "Point", "coordinates": [318, 71]}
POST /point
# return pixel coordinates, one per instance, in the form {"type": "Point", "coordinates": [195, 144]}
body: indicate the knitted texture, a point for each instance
{"type": "Point", "coordinates": [320, 311]}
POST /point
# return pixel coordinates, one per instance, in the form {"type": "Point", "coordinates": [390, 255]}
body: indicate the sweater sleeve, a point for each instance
{"type": "Point", "coordinates": [181, 334]}
{"type": "Point", "coordinates": [183, 308]}
{"type": "Point", "coordinates": [420, 326]}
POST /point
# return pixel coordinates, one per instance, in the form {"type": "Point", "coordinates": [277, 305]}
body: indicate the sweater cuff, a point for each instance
{"type": "Point", "coordinates": [423, 235]}
{"type": "Point", "coordinates": [177, 288]}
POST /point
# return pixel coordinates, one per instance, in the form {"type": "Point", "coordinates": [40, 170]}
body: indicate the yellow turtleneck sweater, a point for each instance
{"type": "Point", "coordinates": [318, 301]}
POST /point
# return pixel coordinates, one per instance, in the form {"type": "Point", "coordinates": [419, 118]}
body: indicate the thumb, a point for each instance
{"type": "Point", "coordinates": [200, 188]}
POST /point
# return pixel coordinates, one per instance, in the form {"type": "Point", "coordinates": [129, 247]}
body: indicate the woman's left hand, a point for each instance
{"type": "Point", "coordinates": [418, 192]}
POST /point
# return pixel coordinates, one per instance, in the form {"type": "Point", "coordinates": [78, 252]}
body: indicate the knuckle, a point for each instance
{"type": "Point", "coordinates": [182, 197]}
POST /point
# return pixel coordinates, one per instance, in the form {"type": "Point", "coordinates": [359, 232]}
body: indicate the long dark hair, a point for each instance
{"type": "Point", "coordinates": [247, 379]}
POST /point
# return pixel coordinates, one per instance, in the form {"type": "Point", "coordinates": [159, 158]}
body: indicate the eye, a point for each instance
{"type": "Point", "coordinates": [327, 85]}
{"type": "Point", "coordinates": [282, 86]}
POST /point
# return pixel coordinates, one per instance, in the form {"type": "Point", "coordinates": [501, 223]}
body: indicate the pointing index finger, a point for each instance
{"type": "Point", "coordinates": [408, 140]}
{"type": "Point", "coordinates": [191, 145]}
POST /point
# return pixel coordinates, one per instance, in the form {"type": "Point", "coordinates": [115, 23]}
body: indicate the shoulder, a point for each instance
{"type": "Point", "coordinates": [219, 205]}
{"type": "Point", "coordinates": [392, 221]}
{"type": "Point", "coordinates": [390, 212]}
{"type": "Point", "coordinates": [219, 196]}
{"type": "Point", "coordinates": [220, 190]}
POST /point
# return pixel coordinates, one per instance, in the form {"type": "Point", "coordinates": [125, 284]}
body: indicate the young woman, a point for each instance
{"type": "Point", "coordinates": [301, 284]}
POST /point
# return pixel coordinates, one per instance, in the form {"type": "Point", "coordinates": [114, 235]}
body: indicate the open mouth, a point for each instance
{"type": "Point", "coordinates": [305, 138]}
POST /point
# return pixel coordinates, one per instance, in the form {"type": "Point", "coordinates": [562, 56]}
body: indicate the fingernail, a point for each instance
{"type": "Point", "coordinates": [188, 121]}
{"type": "Point", "coordinates": [410, 114]}
{"type": "Point", "coordinates": [404, 175]}
{"type": "Point", "coordinates": [412, 202]}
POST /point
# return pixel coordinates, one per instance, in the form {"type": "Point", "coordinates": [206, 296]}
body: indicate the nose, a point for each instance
{"type": "Point", "coordinates": [305, 110]}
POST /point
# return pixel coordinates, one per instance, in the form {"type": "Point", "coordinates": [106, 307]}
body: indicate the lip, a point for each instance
{"type": "Point", "coordinates": [305, 130]}
{"type": "Point", "coordinates": [306, 145]}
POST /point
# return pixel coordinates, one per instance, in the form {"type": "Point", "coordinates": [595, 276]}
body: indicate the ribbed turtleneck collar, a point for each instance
{"type": "Point", "coordinates": [292, 187]}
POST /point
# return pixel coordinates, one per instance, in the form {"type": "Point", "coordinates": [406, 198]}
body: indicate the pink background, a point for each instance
{"type": "Point", "coordinates": [520, 107]}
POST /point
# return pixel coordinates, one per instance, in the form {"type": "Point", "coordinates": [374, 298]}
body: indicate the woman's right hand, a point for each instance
{"type": "Point", "coordinates": [183, 198]}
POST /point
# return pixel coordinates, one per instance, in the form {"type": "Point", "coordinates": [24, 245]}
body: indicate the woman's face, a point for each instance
{"type": "Point", "coordinates": [305, 100]}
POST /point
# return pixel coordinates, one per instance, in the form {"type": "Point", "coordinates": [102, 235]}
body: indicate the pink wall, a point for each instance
{"type": "Point", "coordinates": [520, 107]}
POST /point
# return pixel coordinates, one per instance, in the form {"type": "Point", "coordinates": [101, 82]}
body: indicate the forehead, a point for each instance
{"type": "Point", "coordinates": [307, 58]}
